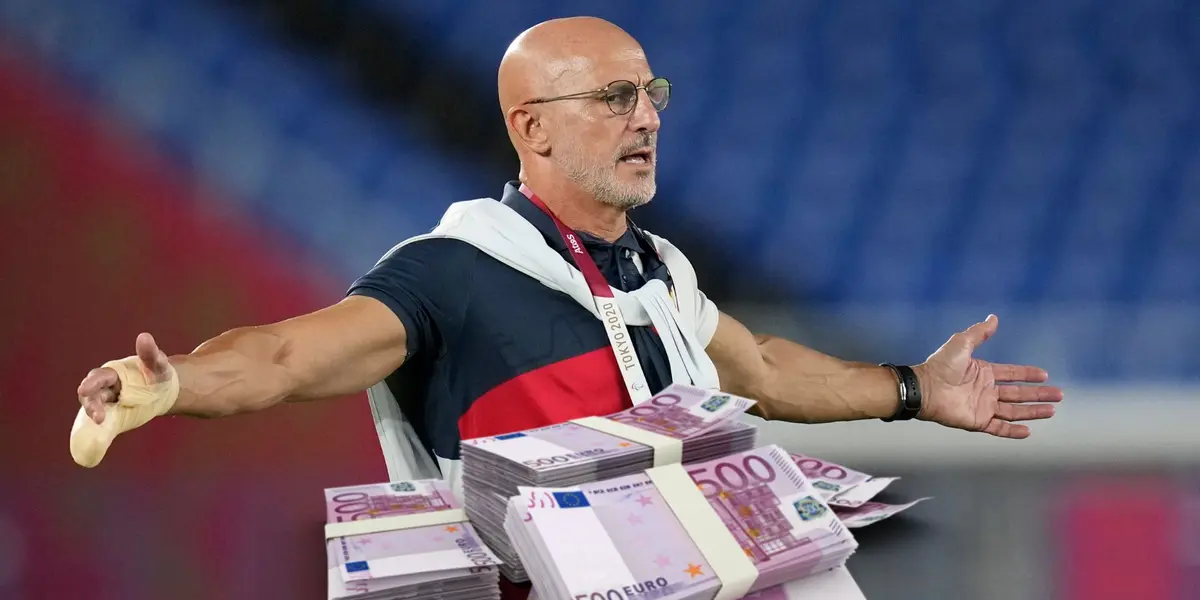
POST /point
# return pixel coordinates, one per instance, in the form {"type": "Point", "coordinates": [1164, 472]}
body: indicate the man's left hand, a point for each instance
{"type": "Point", "coordinates": [968, 393]}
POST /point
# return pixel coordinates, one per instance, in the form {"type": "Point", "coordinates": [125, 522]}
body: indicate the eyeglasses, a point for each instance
{"type": "Point", "coordinates": [622, 96]}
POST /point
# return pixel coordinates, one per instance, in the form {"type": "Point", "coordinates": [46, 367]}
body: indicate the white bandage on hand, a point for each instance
{"type": "Point", "coordinates": [138, 402]}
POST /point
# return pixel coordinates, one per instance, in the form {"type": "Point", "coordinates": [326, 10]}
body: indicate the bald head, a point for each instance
{"type": "Point", "coordinates": [578, 144]}
{"type": "Point", "coordinates": [550, 56]}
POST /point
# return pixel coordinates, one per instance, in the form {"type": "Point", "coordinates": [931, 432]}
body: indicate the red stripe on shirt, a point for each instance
{"type": "Point", "coordinates": [581, 386]}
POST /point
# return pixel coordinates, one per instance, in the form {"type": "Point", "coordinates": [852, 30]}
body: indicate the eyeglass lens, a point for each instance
{"type": "Point", "coordinates": [622, 96]}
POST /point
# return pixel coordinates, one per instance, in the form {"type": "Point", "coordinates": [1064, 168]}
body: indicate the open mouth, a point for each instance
{"type": "Point", "coordinates": [638, 157]}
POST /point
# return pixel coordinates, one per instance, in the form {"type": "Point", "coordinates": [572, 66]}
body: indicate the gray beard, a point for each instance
{"type": "Point", "coordinates": [606, 190]}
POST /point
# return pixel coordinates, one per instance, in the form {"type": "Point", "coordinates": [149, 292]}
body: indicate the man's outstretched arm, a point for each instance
{"type": "Point", "coordinates": [795, 383]}
{"type": "Point", "coordinates": [335, 351]}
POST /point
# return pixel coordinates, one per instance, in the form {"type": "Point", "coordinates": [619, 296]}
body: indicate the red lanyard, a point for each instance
{"type": "Point", "coordinates": [583, 260]}
{"type": "Point", "coordinates": [606, 304]}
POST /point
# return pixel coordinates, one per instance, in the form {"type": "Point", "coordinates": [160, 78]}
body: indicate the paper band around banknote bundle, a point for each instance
{"type": "Point", "coordinates": [394, 523]}
{"type": "Point", "coordinates": [667, 450]}
{"type": "Point", "coordinates": [724, 554]}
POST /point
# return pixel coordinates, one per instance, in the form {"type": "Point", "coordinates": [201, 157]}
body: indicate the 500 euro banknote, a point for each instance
{"type": "Point", "coordinates": [680, 412]}
{"type": "Point", "coordinates": [404, 552]}
{"type": "Point", "coordinates": [619, 538]}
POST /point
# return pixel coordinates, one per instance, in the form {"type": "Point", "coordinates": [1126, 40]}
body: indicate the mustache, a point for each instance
{"type": "Point", "coordinates": [643, 140]}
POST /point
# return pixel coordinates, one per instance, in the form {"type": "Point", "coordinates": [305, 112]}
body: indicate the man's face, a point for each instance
{"type": "Point", "coordinates": [610, 155]}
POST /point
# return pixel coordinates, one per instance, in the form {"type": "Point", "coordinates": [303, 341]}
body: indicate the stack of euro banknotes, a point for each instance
{"type": "Point", "coordinates": [576, 509]}
{"type": "Point", "coordinates": [444, 560]}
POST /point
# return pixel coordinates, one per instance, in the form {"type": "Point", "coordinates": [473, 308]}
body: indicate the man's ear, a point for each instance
{"type": "Point", "coordinates": [526, 125]}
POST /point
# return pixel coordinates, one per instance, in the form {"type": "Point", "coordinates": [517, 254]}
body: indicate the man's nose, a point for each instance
{"type": "Point", "coordinates": [644, 117]}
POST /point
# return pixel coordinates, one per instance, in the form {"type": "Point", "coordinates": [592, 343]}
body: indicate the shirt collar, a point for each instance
{"type": "Point", "coordinates": [517, 201]}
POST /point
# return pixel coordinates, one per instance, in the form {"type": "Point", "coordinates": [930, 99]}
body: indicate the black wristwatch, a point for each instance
{"type": "Point", "coordinates": [910, 393]}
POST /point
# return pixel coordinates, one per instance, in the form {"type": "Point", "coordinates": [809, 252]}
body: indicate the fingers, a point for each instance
{"type": "Point", "coordinates": [1019, 373]}
{"type": "Point", "coordinates": [1029, 393]}
{"type": "Point", "coordinates": [93, 404]}
{"type": "Point", "coordinates": [1002, 424]}
{"type": "Point", "coordinates": [96, 380]}
{"type": "Point", "coordinates": [97, 389]}
{"type": "Point", "coordinates": [94, 407]}
{"type": "Point", "coordinates": [1005, 429]}
{"type": "Point", "coordinates": [154, 361]}
{"type": "Point", "coordinates": [105, 396]}
{"type": "Point", "coordinates": [1024, 412]}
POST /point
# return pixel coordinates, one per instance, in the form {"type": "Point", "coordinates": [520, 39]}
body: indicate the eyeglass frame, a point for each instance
{"type": "Point", "coordinates": [599, 94]}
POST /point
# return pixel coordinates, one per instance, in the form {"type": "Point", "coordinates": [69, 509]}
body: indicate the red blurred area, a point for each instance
{"type": "Point", "coordinates": [1119, 539]}
{"type": "Point", "coordinates": [102, 240]}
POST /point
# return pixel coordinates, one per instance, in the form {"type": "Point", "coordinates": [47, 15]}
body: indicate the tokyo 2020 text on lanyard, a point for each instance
{"type": "Point", "coordinates": [614, 322]}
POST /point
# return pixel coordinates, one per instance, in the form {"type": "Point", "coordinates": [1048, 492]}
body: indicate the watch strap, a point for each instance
{"type": "Point", "coordinates": [909, 405]}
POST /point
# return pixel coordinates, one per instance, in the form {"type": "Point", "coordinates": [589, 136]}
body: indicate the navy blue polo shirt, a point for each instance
{"type": "Point", "coordinates": [493, 351]}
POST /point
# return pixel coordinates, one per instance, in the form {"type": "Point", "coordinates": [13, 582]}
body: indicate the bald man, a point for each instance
{"type": "Point", "coordinates": [464, 341]}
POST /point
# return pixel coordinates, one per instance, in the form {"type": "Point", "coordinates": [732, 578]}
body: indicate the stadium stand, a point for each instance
{"type": "Point", "coordinates": [900, 166]}
{"type": "Point", "coordinates": [253, 117]}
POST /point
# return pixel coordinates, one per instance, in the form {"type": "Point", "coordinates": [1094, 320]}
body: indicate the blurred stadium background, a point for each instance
{"type": "Point", "coordinates": [867, 177]}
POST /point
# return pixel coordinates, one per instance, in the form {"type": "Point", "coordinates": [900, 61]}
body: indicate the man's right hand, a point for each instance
{"type": "Point", "coordinates": [336, 351]}
{"type": "Point", "coordinates": [102, 386]}
{"type": "Point", "coordinates": [119, 396]}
